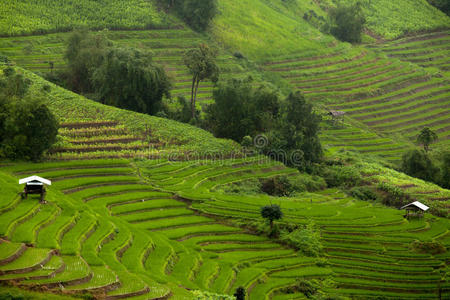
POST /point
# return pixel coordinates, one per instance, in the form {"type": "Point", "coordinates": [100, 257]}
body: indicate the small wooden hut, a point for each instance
{"type": "Point", "coordinates": [35, 185]}
{"type": "Point", "coordinates": [336, 116]}
{"type": "Point", "coordinates": [415, 209]}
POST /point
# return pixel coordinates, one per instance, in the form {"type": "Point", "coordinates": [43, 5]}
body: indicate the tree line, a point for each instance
{"type": "Point", "coordinates": [27, 126]}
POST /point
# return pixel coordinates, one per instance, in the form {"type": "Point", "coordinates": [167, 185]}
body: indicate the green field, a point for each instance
{"type": "Point", "coordinates": [44, 16]}
{"type": "Point", "coordinates": [176, 245]}
{"type": "Point", "coordinates": [142, 207]}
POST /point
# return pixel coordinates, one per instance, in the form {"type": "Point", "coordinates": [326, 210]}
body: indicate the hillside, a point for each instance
{"type": "Point", "coordinates": [44, 16]}
{"type": "Point", "coordinates": [142, 207]}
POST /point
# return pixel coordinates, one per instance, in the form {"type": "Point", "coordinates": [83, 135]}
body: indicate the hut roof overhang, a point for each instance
{"type": "Point", "coordinates": [416, 204]}
{"type": "Point", "coordinates": [35, 180]}
{"type": "Point", "coordinates": [336, 113]}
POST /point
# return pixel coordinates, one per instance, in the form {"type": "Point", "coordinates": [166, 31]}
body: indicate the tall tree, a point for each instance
{"type": "Point", "coordinates": [201, 63]}
{"type": "Point", "coordinates": [239, 109]}
{"type": "Point", "coordinates": [85, 53]}
{"type": "Point", "coordinates": [296, 136]}
{"type": "Point", "coordinates": [426, 137]}
{"type": "Point", "coordinates": [199, 13]}
{"type": "Point", "coordinates": [416, 163]}
{"type": "Point", "coordinates": [347, 22]}
{"type": "Point", "coordinates": [129, 79]}
{"type": "Point", "coordinates": [271, 212]}
{"type": "Point", "coordinates": [27, 127]}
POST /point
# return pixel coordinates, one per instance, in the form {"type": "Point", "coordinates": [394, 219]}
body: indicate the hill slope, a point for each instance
{"type": "Point", "coordinates": [24, 17]}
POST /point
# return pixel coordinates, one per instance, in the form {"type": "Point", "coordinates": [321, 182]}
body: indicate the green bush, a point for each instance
{"type": "Point", "coordinates": [197, 13]}
{"type": "Point", "coordinates": [347, 22]}
{"type": "Point", "coordinates": [431, 247]}
{"type": "Point", "coordinates": [278, 186]}
{"type": "Point", "coordinates": [306, 240]}
{"type": "Point", "coordinates": [306, 183]}
{"type": "Point", "coordinates": [341, 176]}
{"type": "Point", "coordinates": [443, 5]}
{"type": "Point", "coordinates": [393, 195]}
{"type": "Point", "coordinates": [363, 193]}
{"type": "Point", "coordinates": [27, 127]}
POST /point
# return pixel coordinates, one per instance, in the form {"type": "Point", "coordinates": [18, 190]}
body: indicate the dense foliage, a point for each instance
{"type": "Point", "coordinates": [347, 22]}
{"type": "Point", "coordinates": [201, 62]}
{"type": "Point", "coordinates": [197, 13]}
{"type": "Point", "coordinates": [391, 19]}
{"type": "Point", "coordinates": [239, 110]}
{"type": "Point", "coordinates": [85, 53]}
{"type": "Point", "coordinates": [418, 164]}
{"type": "Point", "coordinates": [294, 140]}
{"type": "Point", "coordinates": [27, 127]}
{"type": "Point", "coordinates": [43, 16]}
{"type": "Point", "coordinates": [271, 213]}
{"type": "Point", "coordinates": [443, 5]}
{"type": "Point", "coordinates": [305, 239]}
{"type": "Point", "coordinates": [129, 79]}
{"type": "Point", "coordinates": [426, 137]}
{"type": "Point", "coordinates": [122, 77]}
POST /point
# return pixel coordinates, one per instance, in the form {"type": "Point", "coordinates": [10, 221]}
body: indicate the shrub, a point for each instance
{"type": "Point", "coordinates": [341, 176]}
{"type": "Point", "coordinates": [305, 182]}
{"type": "Point", "coordinates": [240, 293]}
{"type": "Point", "coordinates": [393, 195]}
{"type": "Point", "coordinates": [27, 127]}
{"type": "Point", "coordinates": [277, 186]}
{"type": "Point", "coordinates": [197, 13]}
{"type": "Point", "coordinates": [238, 55]}
{"type": "Point", "coordinates": [363, 193]}
{"type": "Point", "coordinates": [305, 240]}
{"type": "Point", "coordinates": [347, 22]}
{"type": "Point", "coordinates": [443, 5]}
{"type": "Point", "coordinates": [303, 286]}
{"type": "Point", "coordinates": [271, 213]}
{"type": "Point", "coordinates": [431, 247]}
{"type": "Point", "coordinates": [416, 163]}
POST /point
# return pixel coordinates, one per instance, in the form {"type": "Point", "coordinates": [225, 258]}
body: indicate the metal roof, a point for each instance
{"type": "Point", "coordinates": [35, 178]}
{"type": "Point", "coordinates": [336, 113]}
{"type": "Point", "coordinates": [418, 205]}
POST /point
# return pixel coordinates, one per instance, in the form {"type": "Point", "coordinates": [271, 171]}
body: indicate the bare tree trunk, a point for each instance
{"type": "Point", "coordinates": [192, 96]}
{"type": "Point", "coordinates": [195, 98]}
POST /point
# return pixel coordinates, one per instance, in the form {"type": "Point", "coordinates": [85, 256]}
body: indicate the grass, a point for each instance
{"type": "Point", "coordinates": [29, 258]}
{"type": "Point", "coordinates": [153, 243]}
{"type": "Point", "coordinates": [8, 249]}
{"type": "Point", "coordinates": [21, 17]}
{"type": "Point", "coordinates": [393, 19]}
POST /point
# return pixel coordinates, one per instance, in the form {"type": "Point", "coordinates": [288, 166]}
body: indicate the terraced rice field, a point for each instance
{"type": "Point", "coordinates": [367, 246]}
{"type": "Point", "coordinates": [427, 50]}
{"type": "Point", "coordinates": [102, 139]}
{"type": "Point", "coordinates": [46, 54]}
{"type": "Point", "coordinates": [101, 216]}
{"type": "Point", "coordinates": [388, 94]}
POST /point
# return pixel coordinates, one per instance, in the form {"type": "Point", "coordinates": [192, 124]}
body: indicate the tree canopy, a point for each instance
{"type": "Point", "coordinates": [271, 212]}
{"type": "Point", "coordinates": [123, 77]}
{"type": "Point", "coordinates": [127, 78]}
{"type": "Point", "coordinates": [201, 62]}
{"type": "Point", "coordinates": [240, 109]}
{"type": "Point", "coordinates": [426, 137]}
{"type": "Point", "coordinates": [416, 163]}
{"type": "Point", "coordinates": [295, 139]}
{"type": "Point", "coordinates": [197, 13]}
{"type": "Point", "coordinates": [347, 22]}
{"type": "Point", "coordinates": [27, 127]}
